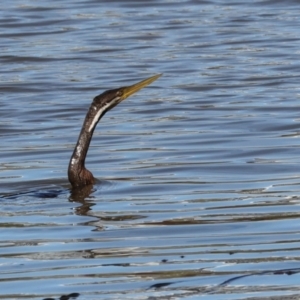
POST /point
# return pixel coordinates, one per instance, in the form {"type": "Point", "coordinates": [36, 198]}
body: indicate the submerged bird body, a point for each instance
{"type": "Point", "coordinates": [77, 173]}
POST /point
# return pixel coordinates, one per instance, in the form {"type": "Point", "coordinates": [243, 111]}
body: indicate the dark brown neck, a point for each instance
{"type": "Point", "coordinates": [77, 173]}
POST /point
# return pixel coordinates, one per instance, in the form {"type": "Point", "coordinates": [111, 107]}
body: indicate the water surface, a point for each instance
{"type": "Point", "coordinates": [198, 173]}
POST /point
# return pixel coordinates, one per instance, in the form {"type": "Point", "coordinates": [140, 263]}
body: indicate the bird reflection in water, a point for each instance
{"type": "Point", "coordinates": [65, 297]}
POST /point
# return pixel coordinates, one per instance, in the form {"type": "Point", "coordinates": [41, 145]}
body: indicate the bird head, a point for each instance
{"type": "Point", "coordinates": [109, 99]}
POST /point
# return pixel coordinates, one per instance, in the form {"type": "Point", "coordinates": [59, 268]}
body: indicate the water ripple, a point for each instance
{"type": "Point", "coordinates": [198, 174]}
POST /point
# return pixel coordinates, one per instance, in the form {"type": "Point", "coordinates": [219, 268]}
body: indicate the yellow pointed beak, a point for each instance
{"type": "Point", "coordinates": [129, 90]}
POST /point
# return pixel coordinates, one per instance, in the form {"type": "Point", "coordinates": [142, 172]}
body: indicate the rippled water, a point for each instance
{"type": "Point", "coordinates": [198, 192]}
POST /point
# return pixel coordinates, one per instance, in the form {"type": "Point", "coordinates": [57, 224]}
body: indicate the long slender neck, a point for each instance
{"type": "Point", "coordinates": [77, 173]}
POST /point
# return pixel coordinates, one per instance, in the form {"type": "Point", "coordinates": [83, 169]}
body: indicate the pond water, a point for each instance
{"type": "Point", "coordinates": [198, 191]}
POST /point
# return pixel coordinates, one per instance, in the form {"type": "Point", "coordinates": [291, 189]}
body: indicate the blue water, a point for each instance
{"type": "Point", "coordinates": [198, 173]}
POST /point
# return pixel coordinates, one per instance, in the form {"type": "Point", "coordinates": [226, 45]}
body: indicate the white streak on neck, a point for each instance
{"type": "Point", "coordinates": [99, 113]}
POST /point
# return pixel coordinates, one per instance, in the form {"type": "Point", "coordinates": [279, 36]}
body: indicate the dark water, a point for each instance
{"type": "Point", "coordinates": [199, 173]}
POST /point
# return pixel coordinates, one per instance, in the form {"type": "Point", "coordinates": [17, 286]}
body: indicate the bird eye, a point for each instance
{"type": "Point", "coordinates": [119, 93]}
